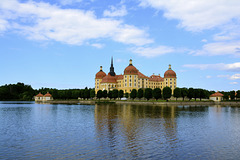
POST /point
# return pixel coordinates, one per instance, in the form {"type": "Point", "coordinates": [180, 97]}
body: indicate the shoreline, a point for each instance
{"type": "Point", "coordinates": [92, 102]}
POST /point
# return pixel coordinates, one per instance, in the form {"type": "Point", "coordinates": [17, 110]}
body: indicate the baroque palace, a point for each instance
{"type": "Point", "coordinates": [133, 79]}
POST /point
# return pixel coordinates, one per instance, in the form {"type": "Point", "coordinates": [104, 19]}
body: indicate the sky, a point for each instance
{"type": "Point", "coordinates": [62, 43]}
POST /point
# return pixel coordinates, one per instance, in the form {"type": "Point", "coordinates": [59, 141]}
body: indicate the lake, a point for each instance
{"type": "Point", "coordinates": [62, 131]}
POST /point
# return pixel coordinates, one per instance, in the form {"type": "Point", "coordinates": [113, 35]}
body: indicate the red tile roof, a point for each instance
{"type": "Point", "coordinates": [47, 95]}
{"type": "Point", "coordinates": [131, 70]}
{"type": "Point", "coordinates": [170, 74]}
{"type": "Point", "coordinates": [109, 79]}
{"type": "Point", "coordinates": [100, 75]}
{"type": "Point", "coordinates": [140, 75]}
{"type": "Point", "coordinates": [156, 78]}
{"type": "Point", "coordinates": [39, 95]}
{"type": "Point", "coordinates": [118, 77]}
{"type": "Point", "coordinates": [217, 94]}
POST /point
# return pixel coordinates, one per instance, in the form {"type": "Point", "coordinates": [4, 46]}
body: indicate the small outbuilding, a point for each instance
{"type": "Point", "coordinates": [41, 97]}
{"type": "Point", "coordinates": [47, 97]}
{"type": "Point", "coordinates": [217, 97]}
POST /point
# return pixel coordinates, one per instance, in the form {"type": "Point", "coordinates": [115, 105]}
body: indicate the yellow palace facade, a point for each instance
{"type": "Point", "coordinates": [133, 79]}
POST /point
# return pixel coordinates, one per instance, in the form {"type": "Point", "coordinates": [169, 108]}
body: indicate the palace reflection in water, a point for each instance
{"type": "Point", "coordinates": [140, 127]}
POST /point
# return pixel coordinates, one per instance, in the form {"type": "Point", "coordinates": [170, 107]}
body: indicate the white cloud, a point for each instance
{"type": "Point", "coordinates": [235, 77]}
{"type": "Point", "coordinates": [3, 25]}
{"type": "Point", "coordinates": [235, 67]}
{"type": "Point", "coordinates": [152, 52]}
{"type": "Point", "coordinates": [42, 21]}
{"type": "Point", "coordinates": [220, 48]}
{"type": "Point", "coordinates": [115, 12]}
{"type": "Point", "coordinates": [204, 40]}
{"type": "Point", "coordinates": [97, 45]}
{"type": "Point", "coordinates": [208, 77]}
{"type": "Point", "coordinates": [197, 15]}
{"type": "Point", "coordinates": [223, 76]}
{"type": "Point", "coordinates": [233, 83]}
{"type": "Point", "coordinates": [68, 2]}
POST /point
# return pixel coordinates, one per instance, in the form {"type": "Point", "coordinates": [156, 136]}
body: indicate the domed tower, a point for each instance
{"type": "Point", "coordinates": [170, 78]}
{"type": "Point", "coordinates": [98, 78]}
{"type": "Point", "coordinates": [130, 78]}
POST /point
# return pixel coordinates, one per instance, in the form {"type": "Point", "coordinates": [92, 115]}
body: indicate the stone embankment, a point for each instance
{"type": "Point", "coordinates": [92, 102]}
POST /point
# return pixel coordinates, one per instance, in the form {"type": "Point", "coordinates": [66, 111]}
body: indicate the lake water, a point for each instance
{"type": "Point", "coordinates": [60, 131]}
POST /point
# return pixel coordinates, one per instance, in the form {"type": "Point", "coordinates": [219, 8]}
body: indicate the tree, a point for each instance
{"type": "Point", "coordinates": [238, 94]}
{"type": "Point", "coordinates": [177, 93]}
{"type": "Point", "coordinates": [157, 93]}
{"type": "Point", "coordinates": [167, 93]}
{"type": "Point", "coordinates": [99, 94]}
{"type": "Point", "coordinates": [86, 93]}
{"type": "Point", "coordinates": [126, 95]}
{"type": "Point", "coordinates": [148, 93]}
{"type": "Point", "coordinates": [120, 94]}
{"type": "Point", "coordinates": [92, 93]}
{"type": "Point", "coordinates": [133, 94]}
{"type": "Point", "coordinates": [190, 93]}
{"type": "Point", "coordinates": [196, 94]}
{"type": "Point", "coordinates": [115, 93]}
{"type": "Point", "coordinates": [105, 94]}
{"type": "Point", "coordinates": [202, 94]}
{"type": "Point", "coordinates": [232, 95]}
{"type": "Point", "coordinates": [140, 93]}
{"type": "Point", "coordinates": [110, 94]}
{"type": "Point", "coordinates": [184, 92]}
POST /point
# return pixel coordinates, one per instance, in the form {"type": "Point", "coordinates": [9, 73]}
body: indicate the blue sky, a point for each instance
{"type": "Point", "coordinates": [61, 43]}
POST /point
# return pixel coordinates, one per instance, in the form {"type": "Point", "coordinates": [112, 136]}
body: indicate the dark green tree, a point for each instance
{"type": "Point", "coordinates": [238, 94]}
{"type": "Point", "coordinates": [167, 93]}
{"type": "Point", "coordinates": [86, 93]}
{"type": "Point", "coordinates": [157, 93]}
{"type": "Point", "coordinates": [190, 93]}
{"type": "Point", "coordinates": [120, 94]}
{"type": "Point", "coordinates": [140, 93]}
{"type": "Point", "coordinates": [177, 93]}
{"type": "Point", "coordinates": [115, 94]}
{"type": "Point", "coordinates": [105, 94]}
{"type": "Point", "coordinates": [196, 94]}
{"type": "Point", "coordinates": [110, 94]}
{"type": "Point", "coordinates": [99, 94]}
{"type": "Point", "coordinates": [126, 95]}
{"type": "Point", "coordinates": [232, 95]}
{"type": "Point", "coordinates": [184, 92]}
{"type": "Point", "coordinates": [148, 93]}
{"type": "Point", "coordinates": [92, 93]}
{"type": "Point", "coordinates": [133, 94]}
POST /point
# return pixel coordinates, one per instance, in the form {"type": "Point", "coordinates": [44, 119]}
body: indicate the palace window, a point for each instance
{"type": "Point", "coordinates": [170, 82]}
{"type": "Point", "coordinates": [125, 84]}
{"type": "Point", "coordinates": [166, 82]}
{"type": "Point", "coordinates": [125, 76]}
{"type": "Point", "coordinates": [125, 80]}
{"type": "Point", "coordinates": [134, 84]}
{"type": "Point", "coordinates": [170, 79]}
{"type": "Point", "coordinates": [170, 86]}
{"type": "Point", "coordinates": [130, 84]}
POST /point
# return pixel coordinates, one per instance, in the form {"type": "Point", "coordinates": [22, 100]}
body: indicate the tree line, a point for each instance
{"type": "Point", "coordinates": [21, 91]}
{"type": "Point", "coordinates": [166, 93]}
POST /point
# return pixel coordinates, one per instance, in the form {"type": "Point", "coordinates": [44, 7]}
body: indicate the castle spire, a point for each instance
{"type": "Point", "coordinates": [112, 73]}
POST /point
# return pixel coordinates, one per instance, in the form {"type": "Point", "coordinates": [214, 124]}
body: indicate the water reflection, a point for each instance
{"type": "Point", "coordinates": [60, 131]}
{"type": "Point", "coordinates": [133, 127]}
